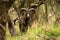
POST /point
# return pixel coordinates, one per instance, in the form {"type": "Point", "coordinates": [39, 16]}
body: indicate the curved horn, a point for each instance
{"type": "Point", "coordinates": [23, 9]}
{"type": "Point", "coordinates": [32, 9]}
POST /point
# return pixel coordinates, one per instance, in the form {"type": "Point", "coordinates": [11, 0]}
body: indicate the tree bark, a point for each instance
{"type": "Point", "coordinates": [4, 7]}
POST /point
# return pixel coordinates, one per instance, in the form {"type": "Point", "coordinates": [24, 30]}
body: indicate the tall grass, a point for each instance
{"type": "Point", "coordinates": [35, 33]}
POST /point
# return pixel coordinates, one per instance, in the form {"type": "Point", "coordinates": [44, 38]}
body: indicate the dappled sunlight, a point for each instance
{"type": "Point", "coordinates": [29, 19]}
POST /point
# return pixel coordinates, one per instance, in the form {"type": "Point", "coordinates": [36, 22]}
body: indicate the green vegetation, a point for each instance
{"type": "Point", "coordinates": [35, 33]}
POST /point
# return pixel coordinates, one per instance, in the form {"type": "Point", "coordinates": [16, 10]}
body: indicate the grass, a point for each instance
{"type": "Point", "coordinates": [35, 33]}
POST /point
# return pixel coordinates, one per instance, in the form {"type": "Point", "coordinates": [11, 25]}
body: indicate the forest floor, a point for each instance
{"type": "Point", "coordinates": [36, 32]}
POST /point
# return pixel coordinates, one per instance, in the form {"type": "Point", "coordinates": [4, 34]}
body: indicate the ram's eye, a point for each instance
{"type": "Point", "coordinates": [32, 12]}
{"type": "Point", "coordinates": [23, 12]}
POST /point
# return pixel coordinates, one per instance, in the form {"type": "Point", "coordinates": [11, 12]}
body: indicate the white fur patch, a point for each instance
{"type": "Point", "coordinates": [27, 15]}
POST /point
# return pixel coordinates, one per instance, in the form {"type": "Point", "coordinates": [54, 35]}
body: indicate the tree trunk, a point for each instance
{"type": "Point", "coordinates": [4, 7]}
